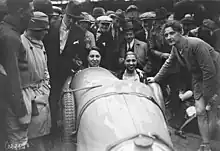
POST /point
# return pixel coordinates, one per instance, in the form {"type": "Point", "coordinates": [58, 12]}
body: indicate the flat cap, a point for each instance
{"type": "Point", "coordinates": [86, 17]}
{"type": "Point", "coordinates": [44, 6]}
{"type": "Point", "coordinates": [148, 16]}
{"type": "Point", "coordinates": [104, 19]}
{"type": "Point", "coordinates": [131, 8]}
{"type": "Point", "coordinates": [39, 21]}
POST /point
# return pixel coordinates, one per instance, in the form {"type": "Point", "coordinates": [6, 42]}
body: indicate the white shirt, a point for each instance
{"type": "Point", "coordinates": [131, 77]}
{"type": "Point", "coordinates": [130, 45]}
{"type": "Point", "coordinates": [146, 34]}
{"type": "Point", "coordinates": [64, 32]}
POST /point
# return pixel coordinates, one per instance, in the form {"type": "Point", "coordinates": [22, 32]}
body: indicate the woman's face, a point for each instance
{"type": "Point", "coordinates": [130, 62]}
{"type": "Point", "coordinates": [94, 58]}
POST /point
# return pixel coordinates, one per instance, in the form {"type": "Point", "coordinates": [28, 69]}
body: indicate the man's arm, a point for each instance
{"type": "Point", "coordinates": [12, 47]}
{"type": "Point", "coordinates": [167, 66]}
{"type": "Point", "coordinates": [206, 64]}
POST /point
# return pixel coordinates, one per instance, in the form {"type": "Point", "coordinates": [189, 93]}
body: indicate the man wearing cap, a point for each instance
{"type": "Point", "coordinates": [104, 40]}
{"type": "Point", "coordinates": [132, 14]}
{"type": "Point", "coordinates": [85, 23]}
{"type": "Point", "coordinates": [146, 35]}
{"type": "Point", "coordinates": [132, 44]}
{"type": "Point", "coordinates": [13, 61]}
{"type": "Point", "coordinates": [35, 80]}
{"type": "Point", "coordinates": [66, 51]}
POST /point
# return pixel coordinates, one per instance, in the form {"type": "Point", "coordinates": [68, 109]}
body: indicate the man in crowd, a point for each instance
{"type": "Point", "coordinates": [132, 44]}
{"type": "Point", "coordinates": [85, 23]}
{"type": "Point", "coordinates": [13, 61]}
{"type": "Point", "coordinates": [65, 49]}
{"type": "Point", "coordinates": [204, 64]}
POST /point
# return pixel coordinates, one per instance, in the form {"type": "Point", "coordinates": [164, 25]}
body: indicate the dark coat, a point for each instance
{"type": "Point", "coordinates": [13, 61]}
{"type": "Point", "coordinates": [60, 65]}
{"type": "Point", "coordinates": [140, 49]}
{"type": "Point", "coordinates": [202, 61]}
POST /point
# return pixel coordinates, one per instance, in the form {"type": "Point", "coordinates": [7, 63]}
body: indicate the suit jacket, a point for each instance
{"type": "Point", "coordinates": [60, 65]}
{"type": "Point", "coordinates": [202, 61]}
{"type": "Point", "coordinates": [140, 49]}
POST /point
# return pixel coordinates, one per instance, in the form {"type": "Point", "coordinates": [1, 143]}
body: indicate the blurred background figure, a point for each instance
{"type": "Point", "coordinates": [3, 9]}
{"type": "Point", "coordinates": [86, 23]}
{"type": "Point", "coordinates": [57, 12]}
{"type": "Point", "coordinates": [188, 23]}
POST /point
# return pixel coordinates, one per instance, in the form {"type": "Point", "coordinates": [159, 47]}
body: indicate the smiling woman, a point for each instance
{"type": "Point", "coordinates": [94, 57]}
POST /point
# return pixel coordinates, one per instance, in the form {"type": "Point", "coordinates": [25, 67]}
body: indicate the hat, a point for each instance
{"type": "Point", "coordinates": [73, 9]}
{"type": "Point", "coordinates": [128, 26]}
{"type": "Point", "coordinates": [109, 12]}
{"type": "Point", "coordinates": [98, 11]}
{"type": "Point", "coordinates": [57, 10]}
{"type": "Point", "coordinates": [132, 8]}
{"type": "Point", "coordinates": [44, 6]}
{"type": "Point", "coordinates": [86, 17]}
{"type": "Point", "coordinates": [104, 19]}
{"type": "Point", "coordinates": [39, 21]}
{"type": "Point", "coordinates": [148, 16]}
{"type": "Point", "coordinates": [187, 20]}
{"type": "Point", "coordinates": [209, 24]}
{"type": "Point", "coordinates": [162, 13]}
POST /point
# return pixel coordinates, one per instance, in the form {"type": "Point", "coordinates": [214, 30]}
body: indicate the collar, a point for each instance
{"type": "Point", "coordinates": [38, 43]}
{"type": "Point", "coordinates": [184, 45]}
{"type": "Point", "coordinates": [131, 43]}
{"type": "Point", "coordinates": [13, 22]}
{"type": "Point", "coordinates": [128, 74]}
{"type": "Point", "coordinates": [63, 25]}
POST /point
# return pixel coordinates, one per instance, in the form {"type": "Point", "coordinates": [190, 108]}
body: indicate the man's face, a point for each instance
{"type": "Point", "coordinates": [67, 20]}
{"type": "Point", "coordinates": [130, 62]}
{"type": "Point", "coordinates": [132, 14]}
{"type": "Point", "coordinates": [171, 36]}
{"type": "Point", "coordinates": [104, 26]}
{"type": "Point", "coordinates": [147, 24]}
{"type": "Point", "coordinates": [115, 21]}
{"type": "Point", "coordinates": [129, 36]}
{"type": "Point", "coordinates": [85, 24]}
{"type": "Point", "coordinates": [39, 35]}
{"type": "Point", "coordinates": [94, 58]}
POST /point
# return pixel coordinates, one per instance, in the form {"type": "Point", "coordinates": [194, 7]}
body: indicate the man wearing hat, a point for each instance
{"type": "Point", "coordinates": [66, 51]}
{"type": "Point", "coordinates": [85, 23]}
{"type": "Point", "coordinates": [104, 40]}
{"type": "Point", "coordinates": [97, 12]}
{"type": "Point", "coordinates": [35, 80]}
{"type": "Point", "coordinates": [13, 61]}
{"type": "Point", "coordinates": [132, 44]}
{"type": "Point", "coordinates": [188, 23]}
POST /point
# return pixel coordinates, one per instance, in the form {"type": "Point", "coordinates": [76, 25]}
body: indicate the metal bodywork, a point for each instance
{"type": "Point", "coordinates": [111, 113]}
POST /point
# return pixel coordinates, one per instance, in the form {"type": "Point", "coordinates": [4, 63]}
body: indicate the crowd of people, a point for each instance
{"type": "Point", "coordinates": [42, 45]}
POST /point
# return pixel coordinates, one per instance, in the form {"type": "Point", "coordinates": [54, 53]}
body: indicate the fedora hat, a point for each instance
{"type": "Point", "coordinates": [128, 26]}
{"type": "Point", "coordinates": [73, 9]}
{"type": "Point", "coordinates": [162, 13]}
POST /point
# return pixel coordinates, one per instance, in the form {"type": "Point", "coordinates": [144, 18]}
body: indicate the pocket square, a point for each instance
{"type": "Point", "coordinates": [76, 42]}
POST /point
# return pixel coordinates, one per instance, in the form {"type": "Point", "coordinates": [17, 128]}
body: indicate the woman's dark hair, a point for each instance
{"type": "Point", "coordinates": [94, 48]}
{"type": "Point", "coordinates": [176, 25]}
{"type": "Point", "coordinates": [130, 53]}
